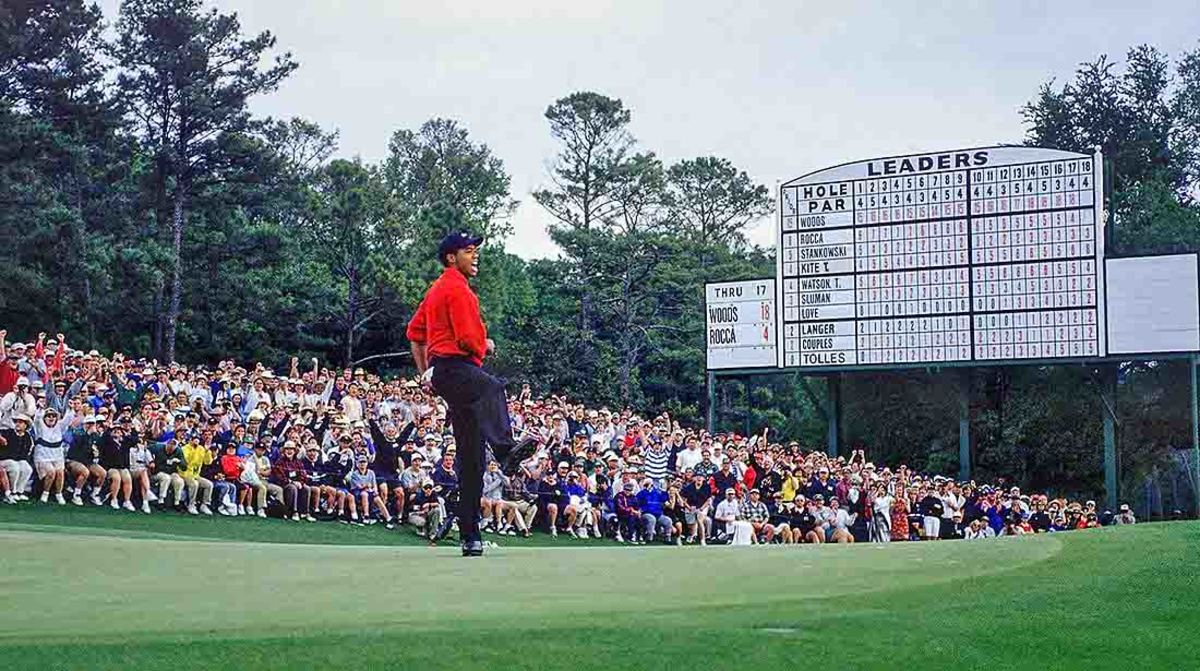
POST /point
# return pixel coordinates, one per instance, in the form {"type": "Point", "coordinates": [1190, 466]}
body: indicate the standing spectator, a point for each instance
{"type": "Point", "coordinates": [930, 507]}
{"type": "Point", "coordinates": [881, 510]}
{"type": "Point", "coordinates": [9, 372]}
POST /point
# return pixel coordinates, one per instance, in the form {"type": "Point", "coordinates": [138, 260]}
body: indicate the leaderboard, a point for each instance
{"type": "Point", "coordinates": [974, 255]}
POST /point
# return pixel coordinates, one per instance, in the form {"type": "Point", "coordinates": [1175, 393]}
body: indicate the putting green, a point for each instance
{"type": "Point", "coordinates": [151, 599]}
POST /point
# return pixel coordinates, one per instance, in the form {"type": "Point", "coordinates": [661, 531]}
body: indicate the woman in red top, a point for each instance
{"type": "Point", "coordinates": [900, 515]}
{"type": "Point", "coordinates": [231, 467]}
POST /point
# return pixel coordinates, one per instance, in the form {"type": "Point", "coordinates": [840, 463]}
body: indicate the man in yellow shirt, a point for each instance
{"type": "Point", "coordinates": [199, 489]}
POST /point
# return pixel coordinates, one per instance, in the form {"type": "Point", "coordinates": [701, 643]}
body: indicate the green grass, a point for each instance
{"type": "Point", "coordinates": [95, 589]}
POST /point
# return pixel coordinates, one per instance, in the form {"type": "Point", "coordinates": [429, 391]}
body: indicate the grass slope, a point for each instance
{"type": "Point", "coordinates": [145, 597]}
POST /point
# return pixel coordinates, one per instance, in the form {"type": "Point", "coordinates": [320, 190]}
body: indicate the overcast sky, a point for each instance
{"type": "Point", "coordinates": [779, 88]}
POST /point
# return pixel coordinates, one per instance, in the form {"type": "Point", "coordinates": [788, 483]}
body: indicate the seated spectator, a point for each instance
{"type": "Point", "coordinates": [16, 449]}
{"type": "Point", "coordinates": [199, 488]}
{"type": "Point", "coordinates": [425, 510]}
{"type": "Point", "coordinates": [82, 467]}
{"type": "Point", "coordinates": [289, 475]}
{"type": "Point", "coordinates": [114, 457]}
{"type": "Point", "coordinates": [169, 463]}
{"type": "Point", "coordinates": [1125, 516]}
{"type": "Point", "coordinates": [628, 516]}
{"type": "Point", "coordinates": [655, 523]}
{"type": "Point", "coordinates": [365, 491]}
{"type": "Point", "coordinates": [698, 496]}
{"type": "Point", "coordinates": [256, 468]}
{"type": "Point", "coordinates": [726, 514]}
{"type": "Point", "coordinates": [49, 453]}
{"type": "Point", "coordinates": [140, 459]}
{"type": "Point", "coordinates": [231, 469]}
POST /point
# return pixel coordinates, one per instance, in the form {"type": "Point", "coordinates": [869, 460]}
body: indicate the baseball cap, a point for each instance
{"type": "Point", "coordinates": [456, 241]}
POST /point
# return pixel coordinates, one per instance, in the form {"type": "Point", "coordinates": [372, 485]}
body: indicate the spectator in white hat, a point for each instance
{"type": "Point", "coordinates": [1125, 515]}
{"type": "Point", "coordinates": [49, 454]}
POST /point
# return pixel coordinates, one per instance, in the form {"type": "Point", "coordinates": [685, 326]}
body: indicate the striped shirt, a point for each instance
{"type": "Point", "coordinates": [657, 457]}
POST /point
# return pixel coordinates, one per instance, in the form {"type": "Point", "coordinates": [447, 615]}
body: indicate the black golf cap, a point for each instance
{"type": "Point", "coordinates": [456, 241]}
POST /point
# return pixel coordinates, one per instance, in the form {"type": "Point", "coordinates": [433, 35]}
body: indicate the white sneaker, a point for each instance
{"type": "Point", "coordinates": [572, 533]}
{"type": "Point", "coordinates": [620, 538]}
{"type": "Point", "coordinates": [58, 498]}
{"type": "Point", "coordinates": [45, 497]}
{"type": "Point", "coordinates": [295, 517]}
{"type": "Point", "coordinates": [241, 510]}
{"type": "Point", "coordinates": [146, 507]}
{"type": "Point", "coordinates": [151, 497]}
{"type": "Point", "coordinates": [309, 518]}
{"type": "Point", "coordinates": [22, 497]}
{"type": "Point", "coordinates": [10, 499]}
{"type": "Point", "coordinates": [205, 509]}
{"type": "Point", "coordinates": [113, 504]}
{"type": "Point", "coordinates": [583, 533]}
{"type": "Point", "coordinates": [262, 513]}
{"type": "Point", "coordinates": [77, 500]}
{"type": "Point", "coordinates": [703, 541]}
{"type": "Point", "coordinates": [129, 506]}
{"type": "Point", "coordinates": [192, 509]}
{"type": "Point", "coordinates": [553, 532]}
{"type": "Point", "coordinates": [96, 499]}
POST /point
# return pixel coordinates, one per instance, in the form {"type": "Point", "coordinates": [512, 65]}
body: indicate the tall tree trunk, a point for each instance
{"type": "Point", "coordinates": [352, 293]}
{"type": "Point", "coordinates": [177, 215]}
{"type": "Point", "coordinates": [157, 337]}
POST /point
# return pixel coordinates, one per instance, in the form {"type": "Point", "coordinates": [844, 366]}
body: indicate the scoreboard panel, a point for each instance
{"type": "Point", "coordinates": [972, 255]}
{"type": "Point", "coordinates": [740, 324]}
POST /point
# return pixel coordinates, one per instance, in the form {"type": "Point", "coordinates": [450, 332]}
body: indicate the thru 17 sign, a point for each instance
{"type": "Point", "coordinates": [740, 324]}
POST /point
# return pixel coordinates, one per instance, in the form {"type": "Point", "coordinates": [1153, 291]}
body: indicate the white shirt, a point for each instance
{"type": "Point", "coordinates": [727, 510]}
{"type": "Point", "coordinates": [688, 459]}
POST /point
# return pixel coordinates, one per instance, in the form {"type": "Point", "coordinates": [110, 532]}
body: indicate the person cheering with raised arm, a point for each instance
{"type": "Point", "coordinates": [449, 342]}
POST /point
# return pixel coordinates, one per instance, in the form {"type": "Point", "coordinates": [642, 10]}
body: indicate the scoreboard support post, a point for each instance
{"type": "Point", "coordinates": [964, 425]}
{"type": "Point", "coordinates": [711, 411]}
{"type": "Point", "coordinates": [1108, 395]}
{"type": "Point", "coordinates": [1195, 403]}
{"type": "Point", "coordinates": [833, 413]}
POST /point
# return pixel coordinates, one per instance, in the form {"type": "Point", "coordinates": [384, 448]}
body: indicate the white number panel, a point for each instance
{"type": "Point", "coordinates": [979, 254]}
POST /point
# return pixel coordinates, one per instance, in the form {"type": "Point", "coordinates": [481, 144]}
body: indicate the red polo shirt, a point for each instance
{"type": "Point", "coordinates": [448, 320]}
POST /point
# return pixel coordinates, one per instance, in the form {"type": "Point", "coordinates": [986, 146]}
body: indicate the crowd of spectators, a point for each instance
{"type": "Point", "coordinates": [320, 444]}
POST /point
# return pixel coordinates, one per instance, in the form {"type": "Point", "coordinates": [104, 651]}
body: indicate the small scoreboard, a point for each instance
{"type": "Point", "coordinates": [741, 324]}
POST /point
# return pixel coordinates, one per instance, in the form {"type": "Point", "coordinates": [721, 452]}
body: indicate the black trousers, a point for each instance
{"type": "Point", "coordinates": [478, 413]}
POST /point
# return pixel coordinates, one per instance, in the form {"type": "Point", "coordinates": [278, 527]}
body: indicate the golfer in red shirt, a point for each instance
{"type": "Point", "coordinates": [447, 334]}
